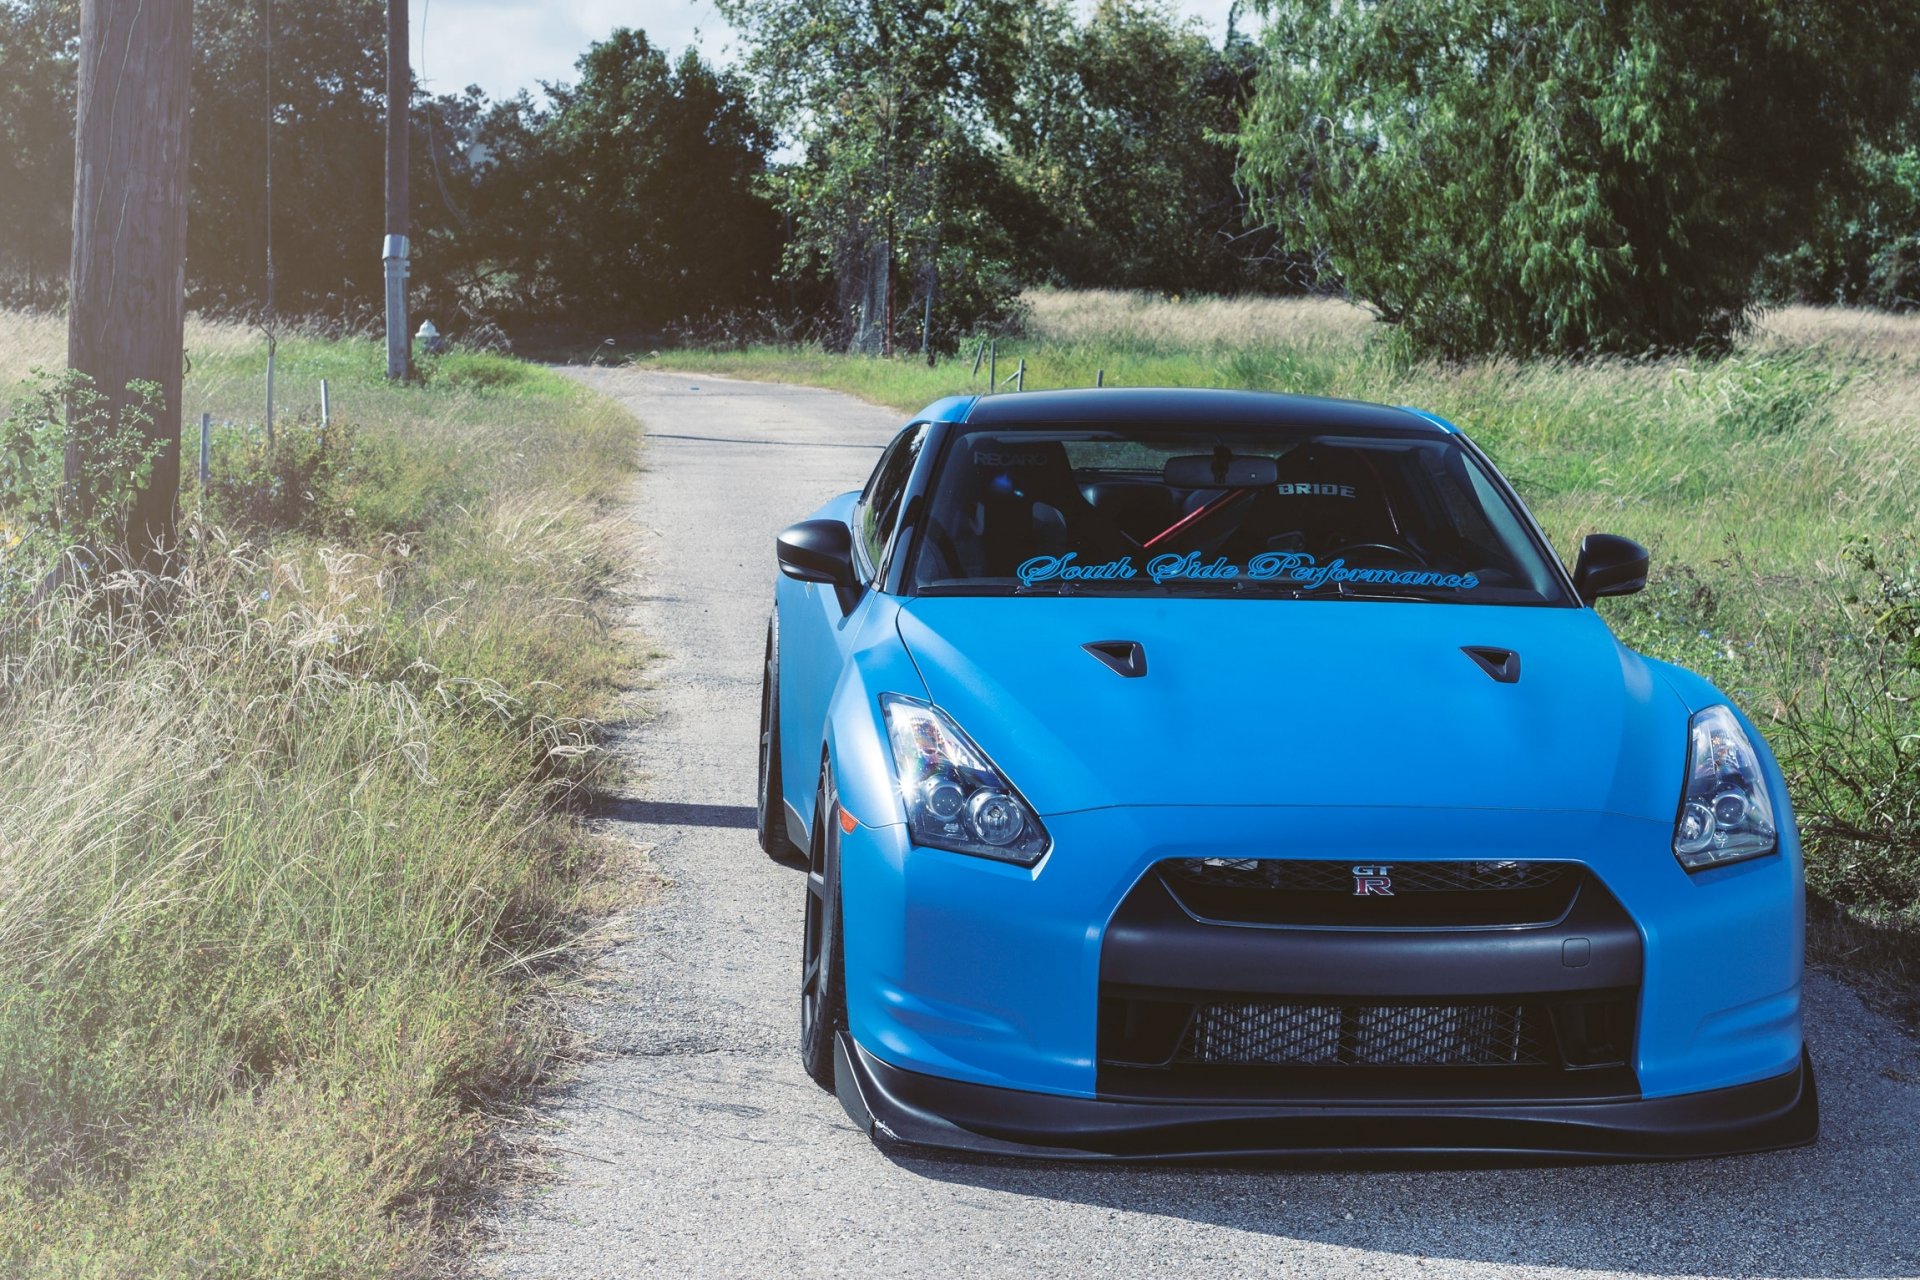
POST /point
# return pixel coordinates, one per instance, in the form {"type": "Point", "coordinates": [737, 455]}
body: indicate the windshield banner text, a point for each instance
{"type": "Point", "coordinates": [1294, 568]}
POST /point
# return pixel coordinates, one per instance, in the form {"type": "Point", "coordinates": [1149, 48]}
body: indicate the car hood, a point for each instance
{"type": "Point", "coordinates": [1285, 702]}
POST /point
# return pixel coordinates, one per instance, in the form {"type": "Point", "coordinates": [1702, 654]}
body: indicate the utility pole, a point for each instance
{"type": "Point", "coordinates": [127, 310]}
{"type": "Point", "coordinates": [397, 251]}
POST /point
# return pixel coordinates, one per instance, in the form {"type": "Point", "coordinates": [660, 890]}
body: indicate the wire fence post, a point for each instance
{"type": "Point", "coordinates": [271, 345]}
{"type": "Point", "coordinates": [993, 367]}
{"type": "Point", "coordinates": [1100, 378]}
{"type": "Point", "coordinates": [978, 356]}
{"type": "Point", "coordinates": [326, 409]}
{"type": "Point", "coordinates": [1020, 383]}
{"type": "Point", "coordinates": [206, 451]}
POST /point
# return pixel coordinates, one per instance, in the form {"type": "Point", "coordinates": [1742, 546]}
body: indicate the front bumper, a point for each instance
{"type": "Point", "coordinates": [928, 1111]}
{"type": "Point", "coordinates": [995, 975]}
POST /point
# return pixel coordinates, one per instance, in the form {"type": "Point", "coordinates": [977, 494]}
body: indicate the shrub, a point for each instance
{"type": "Point", "coordinates": [44, 516]}
{"type": "Point", "coordinates": [1535, 177]}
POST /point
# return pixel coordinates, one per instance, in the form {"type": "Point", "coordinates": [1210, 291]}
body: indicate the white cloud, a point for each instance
{"type": "Point", "coordinates": [508, 45]}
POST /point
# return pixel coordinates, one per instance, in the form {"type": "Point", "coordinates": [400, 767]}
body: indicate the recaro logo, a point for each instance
{"type": "Point", "coordinates": [1373, 882]}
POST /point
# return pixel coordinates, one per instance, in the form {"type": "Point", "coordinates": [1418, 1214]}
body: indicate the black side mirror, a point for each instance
{"type": "Point", "coordinates": [821, 551]}
{"type": "Point", "coordinates": [1610, 566]}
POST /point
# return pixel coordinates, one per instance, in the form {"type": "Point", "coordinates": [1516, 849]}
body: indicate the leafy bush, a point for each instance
{"type": "Point", "coordinates": [1538, 177]}
{"type": "Point", "coordinates": [45, 516]}
{"type": "Point", "coordinates": [256, 487]}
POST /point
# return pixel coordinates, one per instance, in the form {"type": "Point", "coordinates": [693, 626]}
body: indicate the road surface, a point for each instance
{"type": "Point", "coordinates": [694, 1145]}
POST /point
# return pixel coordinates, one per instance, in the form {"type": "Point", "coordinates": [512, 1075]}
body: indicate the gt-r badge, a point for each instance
{"type": "Point", "coordinates": [1373, 882]}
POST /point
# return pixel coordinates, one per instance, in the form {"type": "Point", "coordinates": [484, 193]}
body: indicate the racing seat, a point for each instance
{"type": "Point", "coordinates": [1329, 497]}
{"type": "Point", "coordinates": [1020, 501]}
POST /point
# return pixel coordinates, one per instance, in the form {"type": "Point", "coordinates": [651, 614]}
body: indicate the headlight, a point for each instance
{"type": "Point", "coordinates": [1726, 814]}
{"type": "Point", "coordinates": [956, 799]}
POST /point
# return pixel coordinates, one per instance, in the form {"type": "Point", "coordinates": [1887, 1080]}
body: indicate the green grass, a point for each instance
{"type": "Point", "coordinates": [287, 874]}
{"type": "Point", "coordinates": [1778, 488]}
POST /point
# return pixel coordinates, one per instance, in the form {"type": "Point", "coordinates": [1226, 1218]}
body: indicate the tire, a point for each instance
{"type": "Point", "coordinates": [770, 808]}
{"type": "Point", "coordinates": [823, 990]}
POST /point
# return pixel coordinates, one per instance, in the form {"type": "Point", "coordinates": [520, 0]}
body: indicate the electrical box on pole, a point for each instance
{"type": "Point", "coordinates": [396, 250]}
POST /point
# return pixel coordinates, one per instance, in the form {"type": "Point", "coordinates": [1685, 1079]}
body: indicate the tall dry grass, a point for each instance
{"type": "Point", "coordinates": [1844, 331]}
{"type": "Point", "coordinates": [284, 856]}
{"type": "Point", "coordinates": [38, 340]}
{"type": "Point", "coordinates": [1118, 319]}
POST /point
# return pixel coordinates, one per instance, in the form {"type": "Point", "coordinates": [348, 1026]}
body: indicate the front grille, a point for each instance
{"type": "Point", "coordinates": [1373, 892]}
{"type": "Point", "coordinates": [1313, 1035]}
{"type": "Point", "coordinates": [1293, 876]}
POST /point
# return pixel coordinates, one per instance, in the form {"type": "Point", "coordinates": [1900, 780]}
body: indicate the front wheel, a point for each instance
{"type": "Point", "coordinates": [823, 991]}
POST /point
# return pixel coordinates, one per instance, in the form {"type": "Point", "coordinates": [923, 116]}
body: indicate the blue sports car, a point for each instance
{"type": "Point", "coordinates": [1201, 773]}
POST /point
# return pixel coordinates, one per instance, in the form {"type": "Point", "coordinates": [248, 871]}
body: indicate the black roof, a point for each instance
{"type": "Point", "coordinates": [1173, 404]}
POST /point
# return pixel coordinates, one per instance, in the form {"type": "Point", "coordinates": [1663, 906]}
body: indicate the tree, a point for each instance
{"type": "Point", "coordinates": [1564, 176]}
{"type": "Point", "coordinates": [630, 202]}
{"type": "Point", "coordinates": [127, 301]}
{"type": "Point", "coordinates": [38, 46]}
{"type": "Point", "coordinates": [1865, 249]}
{"type": "Point", "coordinates": [888, 102]}
{"type": "Point", "coordinates": [328, 102]}
{"type": "Point", "coordinates": [1122, 126]}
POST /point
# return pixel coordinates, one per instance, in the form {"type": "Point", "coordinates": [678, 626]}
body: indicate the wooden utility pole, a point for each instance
{"type": "Point", "coordinates": [397, 251]}
{"type": "Point", "coordinates": [127, 310]}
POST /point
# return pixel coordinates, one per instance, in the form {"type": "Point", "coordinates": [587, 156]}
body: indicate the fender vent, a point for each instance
{"type": "Point", "coordinates": [1126, 657]}
{"type": "Point", "coordinates": [1502, 664]}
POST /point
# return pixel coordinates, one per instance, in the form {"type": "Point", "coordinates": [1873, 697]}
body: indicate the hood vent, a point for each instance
{"type": "Point", "coordinates": [1502, 664]}
{"type": "Point", "coordinates": [1126, 657]}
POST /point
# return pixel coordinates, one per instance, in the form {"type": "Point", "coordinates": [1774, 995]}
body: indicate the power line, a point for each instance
{"type": "Point", "coordinates": [433, 143]}
{"type": "Point", "coordinates": [272, 324]}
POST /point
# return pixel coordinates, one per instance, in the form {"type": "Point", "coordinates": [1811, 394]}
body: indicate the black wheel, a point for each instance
{"type": "Point", "coordinates": [823, 991]}
{"type": "Point", "coordinates": [771, 813]}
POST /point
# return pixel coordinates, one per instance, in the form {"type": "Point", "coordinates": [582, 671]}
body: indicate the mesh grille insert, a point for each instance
{"type": "Point", "coordinates": [1305, 1035]}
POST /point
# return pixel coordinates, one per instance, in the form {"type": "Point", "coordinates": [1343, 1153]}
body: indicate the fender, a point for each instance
{"type": "Point", "coordinates": [856, 734]}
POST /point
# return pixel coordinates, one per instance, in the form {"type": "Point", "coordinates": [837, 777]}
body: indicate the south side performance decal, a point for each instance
{"type": "Point", "coordinates": [1292, 567]}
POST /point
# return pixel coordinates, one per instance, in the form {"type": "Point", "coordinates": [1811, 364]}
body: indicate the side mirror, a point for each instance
{"type": "Point", "coordinates": [821, 551]}
{"type": "Point", "coordinates": [1610, 566]}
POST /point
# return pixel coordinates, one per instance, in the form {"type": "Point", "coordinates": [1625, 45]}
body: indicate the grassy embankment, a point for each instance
{"type": "Point", "coordinates": [282, 878]}
{"type": "Point", "coordinates": [1779, 489]}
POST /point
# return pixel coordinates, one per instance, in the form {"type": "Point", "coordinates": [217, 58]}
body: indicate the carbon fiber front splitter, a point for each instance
{"type": "Point", "coordinates": [927, 1111]}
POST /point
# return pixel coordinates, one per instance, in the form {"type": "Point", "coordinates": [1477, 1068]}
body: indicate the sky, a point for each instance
{"type": "Point", "coordinates": [508, 45]}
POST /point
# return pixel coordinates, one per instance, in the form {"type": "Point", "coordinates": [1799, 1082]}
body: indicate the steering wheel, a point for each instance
{"type": "Point", "coordinates": [1392, 549]}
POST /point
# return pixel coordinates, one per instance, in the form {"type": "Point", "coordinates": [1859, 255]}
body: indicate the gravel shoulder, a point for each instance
{"type": "Point", "coordinates": [694, 1145]}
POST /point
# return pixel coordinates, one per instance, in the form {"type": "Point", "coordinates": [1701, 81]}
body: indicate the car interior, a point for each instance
{"type": "Point", "coordinates": [1388, 503]}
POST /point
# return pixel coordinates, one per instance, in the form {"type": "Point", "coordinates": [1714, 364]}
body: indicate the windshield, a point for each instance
{"type": "Point", "coordinates": [1278, 511]}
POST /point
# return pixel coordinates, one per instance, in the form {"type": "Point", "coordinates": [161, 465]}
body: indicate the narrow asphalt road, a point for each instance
{"type": "Point", "coordinates": [695, 1146]}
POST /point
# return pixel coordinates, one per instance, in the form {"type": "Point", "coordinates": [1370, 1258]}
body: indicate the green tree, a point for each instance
{"type": "Point", "coordinates": [630, 201]}
{"type": "Point", "coordinates": [1866, 248]}
{"type": "Point", "coordinates": [1122, 125]}
{"type": "Point", "coordinates": [328, 99]}
{"type": "Point", "coordinates": [1562, 175]}
{"type": "Point", "coordinates": [889, 103]}
{"type": "Point", "coordinates": [38, 42]}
